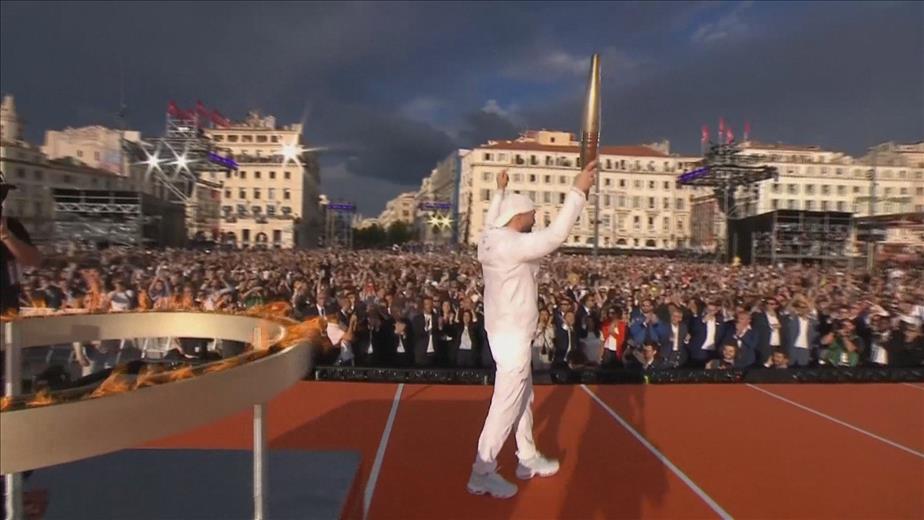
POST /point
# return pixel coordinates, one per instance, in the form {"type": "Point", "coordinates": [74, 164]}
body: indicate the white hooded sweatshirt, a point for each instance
{"type": "Point", "coordinates": [510, 261]}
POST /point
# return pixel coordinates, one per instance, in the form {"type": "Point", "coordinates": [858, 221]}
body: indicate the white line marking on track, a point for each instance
{"type": "Point", "coordinates": [660, 456]}
{"type": "Point", "coordinates": [380, 453]}
{"type": "Point", "coordinates": [838, 421]}
{"type": "Point", "coordinates": [921, 388]}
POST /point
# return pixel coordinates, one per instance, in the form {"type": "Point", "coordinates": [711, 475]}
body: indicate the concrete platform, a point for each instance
{"type": "Point", "coordinates": [166, 484]}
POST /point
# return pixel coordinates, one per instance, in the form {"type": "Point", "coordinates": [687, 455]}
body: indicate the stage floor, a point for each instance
{"type": "Point", "coordinates": [654, 451]}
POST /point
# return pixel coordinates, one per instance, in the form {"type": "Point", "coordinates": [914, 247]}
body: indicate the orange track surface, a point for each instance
{"type": "Point", "coordinates": [755, 456]}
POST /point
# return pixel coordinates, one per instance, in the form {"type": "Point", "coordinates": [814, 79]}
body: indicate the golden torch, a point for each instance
{"type": "Point", "coordinates": [590, 134]}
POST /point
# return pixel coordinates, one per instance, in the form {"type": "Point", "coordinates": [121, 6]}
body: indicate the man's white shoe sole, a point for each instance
{"type": "Point", "coordinates": [532, 473]}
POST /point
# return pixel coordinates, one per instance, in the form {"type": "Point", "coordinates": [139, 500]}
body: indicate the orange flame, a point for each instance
{"type": "Point", "coordinates": [42, 398]}
{"type": "Point", "coordinates": [5, 403]}
{"type": "Point", "coordinates": [116, 383]}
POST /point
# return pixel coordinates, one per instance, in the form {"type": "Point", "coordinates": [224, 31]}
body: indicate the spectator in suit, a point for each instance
{"type": "Point", "coordinates": [768, 325]}
{"type": "Point", "coordinates": [448, 325]}
{"type": "Point", "coordinates": [404, 343]}
{"type": "Point", "coordinates": [426, 336]}
{"type": "Point", "coordinates": [706, 333]}
{"type": "Point", "coordinates": [801, 334]}
{"type": "Point", "coordinates": [467, 342]}
{"type": "Point", "coordinates": [675, 343]}
{"type": "Point", "coordinates": [744, 337]}
{"type": "Point", "coordinates": [322, 306]}
{"type": "Point", "coordinates": [567, 340]}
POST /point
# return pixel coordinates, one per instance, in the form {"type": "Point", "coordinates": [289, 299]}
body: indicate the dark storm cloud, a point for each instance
{"type": "Point", "coordinates": [393, 88]}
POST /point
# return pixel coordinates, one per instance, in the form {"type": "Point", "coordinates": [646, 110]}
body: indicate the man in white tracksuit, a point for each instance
{"type": "Point", "coordinates": [510, 254]}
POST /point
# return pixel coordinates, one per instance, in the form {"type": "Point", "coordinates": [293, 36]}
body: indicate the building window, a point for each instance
{"type": "Point", "coordinates": [405, 213]}
{"type": "Point", "coordinates": [793, 189]}
{"type": "Point", "coordinates": [487, 157]}
{"type": "Point", "coordinates": [287, 175]}
{"type": "Point", "coordinates": [856, 189]}
{"type": "Point", "coordinates": [547, 197]}
{"type": "Point", "coordinates": [825, 189]}
{"type": "Point", "coordinates": [607, 182]}
{"type": "Point", "coordinates": [561, 198]}
{"type": "Point", "coordinates": [637, 184]}
{"type": "Point", "coordinates": [227, 194]}
{"type": "Point", "coordinates": [824, 205]}
{"type": "Point", "coordinates": [272, 175]}
{"type": "Point", "coordinates": [651, 185]}
{"type": "Point", "coordinates": [636, 222]}
{"type": "Point", "coordinates": [622, 183]}
{"type": "Point", "coordinates": [667, 184]}
{"type": "Point", "coordinates": [651, 223]}
{"type": "Point", "coordinates": [666, 223]}
{"type": "Point", "coordinates": [841, 190]}
{"type": "Point", "coordinates": [809, 205]}
{"type": "Point", "coordinates": [775, 187]}
{"type": "Point", "coordinates": [901, 191]}
{"type": "Point", "coordinates": [232, 138]}
{"type": "Point", "coordinates": [79, 153]}
{"type": "Point", "coordinates": [562, 179]}
{"type": "Point", "coordinates": [606, 201]}
{"type": "Point", "coordinates": [256, 193]}
{"type": "Point", "coordinates": [547, 179]}
{"type": "Point", "coordinates": [667, 203]}
{"type": "Point", "coordinates": [774, 204]}
{"type": "Point", "coordinates": [621, 201]}
{"type": "Point", "coordinates": [246, 138]}
{"type": "Point", "coordinates": [517, 177]}
{"type": "Point", "coordinates": [651, 203]}
{"type": "Point", "coordinates": [257, 175]}
{"type": "Point", "coordinates": [791, 204]}
{"type": "Point", "coordinates": [485, 195]}
{"type": "Point", "coordinates": [636, 202]}
{"type": "Point", "coordinates": [286, 195]}
{"type": "Point", "coordinates": [919, 191]}
{"type": "Point", "coordinates": [809, 189]}
{"type": "Point", "coordinates": [680, 223]}
{"type": "Point", "coordinates": [532, 177]}
{"type": "Point", "coordinates": [840, 205]}
{"type": "Point", "coordinates": [680, 204]}
{"type": "Point", "coordinates": [243, 174]}
{"type": "Point", "coordinates": [486, 176]}
{"type": "Point", "coordinates": [271, 193]}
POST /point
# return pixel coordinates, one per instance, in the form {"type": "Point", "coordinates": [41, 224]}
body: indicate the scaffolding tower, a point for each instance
{"type": "Point", "coordinates": [338, 225]}
{"type": "Point", "coordinates": [735, 181]}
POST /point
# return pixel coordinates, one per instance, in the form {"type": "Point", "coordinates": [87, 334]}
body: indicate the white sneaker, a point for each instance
{"type": "Point", "coordinates": [538, 465]}
{"type": "Point", "coordinates": [492, 484]}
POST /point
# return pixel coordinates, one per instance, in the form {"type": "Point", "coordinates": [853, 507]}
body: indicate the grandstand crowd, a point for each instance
{"type": "Point", "coordinates": [413, 309]}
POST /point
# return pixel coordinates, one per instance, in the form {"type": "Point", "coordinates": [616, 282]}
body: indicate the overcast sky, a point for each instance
{"type": "Point", "coordinates": [392, 87]}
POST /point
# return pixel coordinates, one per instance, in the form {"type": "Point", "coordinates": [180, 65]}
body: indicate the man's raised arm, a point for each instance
{"type": "Point", "coordinates": [532, 246]}
{"type": "Point", "coordinates": [496, 200]}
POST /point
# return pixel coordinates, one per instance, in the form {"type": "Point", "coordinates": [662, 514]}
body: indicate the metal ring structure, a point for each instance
{"type": "Point", "coordinates": [43, 436]}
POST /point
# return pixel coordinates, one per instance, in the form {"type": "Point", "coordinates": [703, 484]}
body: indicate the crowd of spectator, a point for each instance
{"type": "Point", "coordinates": [415, 309]}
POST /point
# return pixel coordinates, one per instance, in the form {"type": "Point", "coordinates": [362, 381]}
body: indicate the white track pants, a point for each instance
{"type": "Point", "coordinates": [511, 405]}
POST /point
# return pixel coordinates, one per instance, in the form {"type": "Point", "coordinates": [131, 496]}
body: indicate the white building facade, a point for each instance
{"type": "Point", "coordinates": [273, 199]}
{"type": "Point", "coordinates": [641, 207]}
{"type": "Point", "coordinates": [814, 179]}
